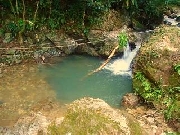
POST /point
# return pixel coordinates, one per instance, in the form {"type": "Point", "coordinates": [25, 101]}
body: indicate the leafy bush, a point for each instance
{"type": "Point", "coordinates": [123, 39]}
{"type": "Point", "coordinates": [148, 92]}
{"type": "Point", "coordinates": [177, 68]}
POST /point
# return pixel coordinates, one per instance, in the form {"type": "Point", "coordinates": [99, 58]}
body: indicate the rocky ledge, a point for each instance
{"type": "Point", "coordinates": [156, 72]}
{"type": "Point", "coordinates": [91, 116]}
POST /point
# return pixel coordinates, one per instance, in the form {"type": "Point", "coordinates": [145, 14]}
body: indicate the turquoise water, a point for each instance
{"type": "Point", "coordinates": [67, 79]}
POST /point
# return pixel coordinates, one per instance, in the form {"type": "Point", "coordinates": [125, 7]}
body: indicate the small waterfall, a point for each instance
{"type": "Point", "coordinates": [122, 66]}
{"type": "Point", "coordinates": [126, 51]}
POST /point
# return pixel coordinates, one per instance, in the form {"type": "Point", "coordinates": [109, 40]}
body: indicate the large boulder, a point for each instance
{"type": "Point", "coordinates": [94, 116]}
{"type": "Point", "coordinates": [157, 57]}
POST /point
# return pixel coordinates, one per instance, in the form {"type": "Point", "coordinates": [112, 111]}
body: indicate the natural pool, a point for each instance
{"type": "Point", "coordinates": [27, 87]}
{"type": "Point", "coordinates": [68, 78]}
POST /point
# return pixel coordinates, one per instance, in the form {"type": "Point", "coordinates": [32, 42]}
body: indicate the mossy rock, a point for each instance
{"type": "Point", "coordinates": [158, 56]}
{"type": "Point", "coordinates": [156, 62]}
{"type": "Point", "coordinates": [94, 116]}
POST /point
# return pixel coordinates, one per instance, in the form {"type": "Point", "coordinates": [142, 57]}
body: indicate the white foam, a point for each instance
{"type": "Point", "coordinates": [121, 66]}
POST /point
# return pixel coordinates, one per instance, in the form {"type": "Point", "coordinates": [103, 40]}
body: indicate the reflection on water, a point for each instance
{"type": "Point", "coordinates": [20, 88]}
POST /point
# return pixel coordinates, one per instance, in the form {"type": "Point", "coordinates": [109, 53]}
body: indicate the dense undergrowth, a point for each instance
{"type": "Point", "coordinates": [19, 16]}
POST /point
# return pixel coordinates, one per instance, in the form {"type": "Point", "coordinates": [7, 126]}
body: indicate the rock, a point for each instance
{"type": "Point", "coordinates": [28, 125]}
{"type": "Point", "coordinates": [58, 121]}
{"type": "Point", "coordinates": [140, 110]}
{"type": "Point", "coordinates": [167, 22]}
{"type": "Point", "coordinates": [178, 19]}
{"type": "Point", "coordinates": [130, 100]}
{"type": "Point", "coordinates": [158, 69]}
{"type": "Point", "coordinates": [159, 131]}
{"type": "Point", "coordinates": [172, 16]}
{"type": "Point", "coordinates": [178, 24]}
{"type": "Point", "coordinates": [168, 12]}
{"type": "Point", "coordinates": [132, 45]}
{"type": "Point", "coordinates": [88, 113]}
{"type": "Point", "coordinates": [150, 120]}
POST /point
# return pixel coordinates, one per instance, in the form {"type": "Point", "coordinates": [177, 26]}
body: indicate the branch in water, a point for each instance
{"type": "Point", "coordinates": [105, 62]}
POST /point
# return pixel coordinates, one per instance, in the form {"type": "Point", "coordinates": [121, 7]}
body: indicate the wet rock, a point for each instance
{"type": "Point", "coordinates": [130, 100]}
{"type": "Point", "coordinates": [132, 45]}
{"type": "Point", "coordinates": [178, 24]}
{"type": "Point", "coordinates": [167, 22]}
{"type": "Point", "coordinates": [178, 19]}
{"type": "Point", "coordinates": [172, 16]}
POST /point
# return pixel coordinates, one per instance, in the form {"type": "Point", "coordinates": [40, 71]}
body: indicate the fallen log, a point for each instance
{"type": "Point", "coordinates": [104, 63]}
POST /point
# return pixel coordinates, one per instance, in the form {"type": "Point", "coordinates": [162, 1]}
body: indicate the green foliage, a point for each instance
{"type": "Point", "coordinates": [52, 14]}
{"type": "Point", "coordinates": [149, 93]}
{"type": "Point", "coordinates": [172, 2]}
{"type": "Point", "coordinates": [167, 98]}
{"type": "Point", "coordinates": [76, 14]}
{"type": "Point", "coordinates": [177, 68]}
{"type": "Point", "coordinates": [123, 39]}
{"type": "Point", "coordinates": [147, 12]}
{"type": "Point", "coordinates": [172, 103]}
{"type": "Point", "coordinates": [171, 108]}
